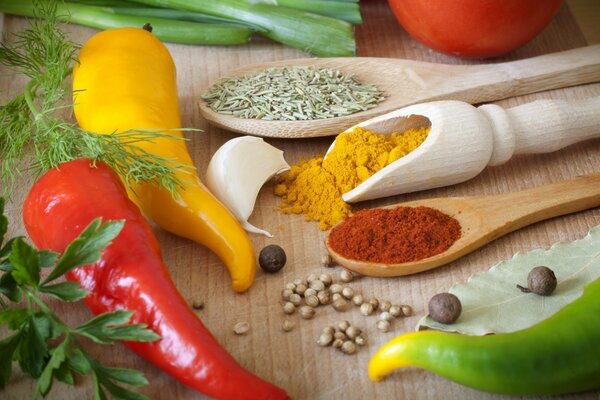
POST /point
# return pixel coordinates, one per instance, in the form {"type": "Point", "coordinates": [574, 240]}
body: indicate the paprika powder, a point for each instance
{"type": "Point", "coordinates": [394, 235]}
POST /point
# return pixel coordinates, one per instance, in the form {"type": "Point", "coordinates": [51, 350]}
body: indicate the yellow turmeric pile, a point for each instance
{"type": "Point", "coordinates": [315, 187]}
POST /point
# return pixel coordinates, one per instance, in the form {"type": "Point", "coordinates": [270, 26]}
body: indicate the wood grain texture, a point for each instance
{"type": "Point", "coordinates": [293, 360]}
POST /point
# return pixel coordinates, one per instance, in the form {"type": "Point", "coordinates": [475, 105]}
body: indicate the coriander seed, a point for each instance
{"type": "Point", "coordinates": [326, 260]}
{"type": "Point", "coordinates": [346, 276]}
{"type": "Point", "coordinates": [286, 293]}
{"type": "Point", "coordinates": [385, 316]}
{"type": "Point", "coordinates": [337, 343]}
{"type": "Point", "coordinates": [349, 347]}
{"type": "Point", "coordinates": [326, 279]}
{"type": "Point", "coordinates": [272, 258]}
{"type": "Point", "coordinates": [329, 329]}
{"type": "Point", "coordinates": [291, 286]}
{"type": "Point", "coordinates": [325, 339]}
{"type": "Point", "coordinates": [396, 311]}
{"type": "Point", "coordinates": [343, 325]}
{"type": "Point", "coordinates": [360, 340]}
{"type": "Point", "coordinates": [340, 305]}
{"type": "Point", "coordinates": [407, 310]}
{"type": "Point", "coordinates": [374, 303]}
{"type": "Point", "coordinates": [348, 292]}
{"type": "Point", "coordinates": [295, 299]}
{"type": "Point", "coordinates": [241, 328]}
{"type": "Point", "coordinates": [339, 335]}
{"type": "Point", "coordinates": [336, 297]}
{"type": "Point", "coordinates": [352, 332]}
{"type": "Point", "coordinates": [300, 289]}
{"type": "Point", "coordinates": [358, 299]}
{"type": "Point", "coordinates": [383, 325]}
{"type": "Point", "coordinates": [310, 292]}
{"type": "Point", "coordinates": [307, 312]}
{"type": "Point", "coordinates": [287, 325]}
{"type": "Point", "coordinates": [311, 301]}
{"type": "Point", "coordinates": [336, 288]}
{"type": "Point", "coordinates": [289, 308]}
{"type": "Point", "coordinates": [298, 281]}
{"type": "Point", "coordinates": [317, 285]}
{"type": "Point", "coordinates": [384, 305]}
{"type": "Point", "coordinates": [366, 309]}
{"type": "Point", "coordinates": [311, 277]}
{"type": "Point", "coordinates": [198, 305]}
{"type": "Point", "coordinates": [324, 297]}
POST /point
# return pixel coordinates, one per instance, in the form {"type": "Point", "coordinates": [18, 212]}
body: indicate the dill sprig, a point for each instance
{"type": "Point", "coordinates": [35, 117]}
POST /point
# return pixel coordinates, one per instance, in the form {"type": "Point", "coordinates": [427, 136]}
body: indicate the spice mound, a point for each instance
{"type": "Point", "coordinates": [292, 93]}
{"type": "Point", "coordinates": [315, 187]}
{"type": "Point", "coordinates": [394, 235]}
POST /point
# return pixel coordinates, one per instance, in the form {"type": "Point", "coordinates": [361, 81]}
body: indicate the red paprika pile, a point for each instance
{"type": "Point", "coordinates": [394, 235]}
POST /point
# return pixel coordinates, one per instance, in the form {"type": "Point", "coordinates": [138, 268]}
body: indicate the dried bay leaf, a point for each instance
{"type": "Point", "coordinates": [491, 302]}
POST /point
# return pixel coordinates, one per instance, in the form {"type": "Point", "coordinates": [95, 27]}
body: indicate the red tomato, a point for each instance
{"type": "Point", "coordinates": [474, 28]}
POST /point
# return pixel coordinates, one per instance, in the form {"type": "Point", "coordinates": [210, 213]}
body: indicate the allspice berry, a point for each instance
{"type": "Point", "coordinates": [541, 280]}
{"type": "Point", "coordinates": [272, 258]}
{"type": "Point", "coordinates": [445, 308]}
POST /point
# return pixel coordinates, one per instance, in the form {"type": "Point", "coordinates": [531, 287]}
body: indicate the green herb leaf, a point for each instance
{"type": "Point", "coordinates": [65, 291]}
{"type": "Point", "coordinates": [121, 393]}
{"type": "Point", "coordinates": [14, 317]}
{"type": "Point", "coordinates": [59, 355]}
{"type": "Point", "coordinates": [98, 392]}
{"type": "Point", "coordinates": [87, 247]}
{"type": "Point", "coordinates": [7, 349]}
{"type": "Point", "coordinates": [26, 263]}
{"type": "Point", "coordinates": [8, 287]}
{"type": "Point", "coordinates": [63, 374]}
{"type": "Point", "coordinates": [108, 327]}
{"type": "Point", "coordinates": [47, 258]}
{"type": "Point", "coordinates": [7, 248]}
{"type": "Point", "coordinates": [491, 302]}
{"type": "Point", "coordinates": [124, 375]}
{"type": "Point", "coordinates": [32, 350]}
{"type": "Point", "coordinates": [79, 363]}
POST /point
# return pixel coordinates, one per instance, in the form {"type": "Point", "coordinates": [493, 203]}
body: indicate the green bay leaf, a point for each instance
{"type": "Point", "coordinates": [491, 302]}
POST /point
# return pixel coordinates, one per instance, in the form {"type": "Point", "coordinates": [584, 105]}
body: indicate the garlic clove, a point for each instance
{"type": "Point", "coordinates": [238, 170]}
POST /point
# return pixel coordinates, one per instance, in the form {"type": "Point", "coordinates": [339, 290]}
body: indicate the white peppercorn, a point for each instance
{"type": "Point", "coordinates": [360, 340]}
{"type": "Point", "coordinates": [324, 297]}
{"type": "Point", "coordinates": [289, 307]}
{"type": "Point", "coordinates": [384, 305]}
{"type": "Point", "coordinates": [374, 303]}
{"type": "Point", "coordinates": [346, 276]}
{"type": "Point", "coordinates": [310, 292]}
{"type": "Point", "coordinates": [287, 325]}
{"type": "Point", "coordinates": [241, 328]}
{"type": "Point", "coordinates": [407, 311]}
{"type": "Point", "coordinates": [348, 292]}
{"type": "Point", "coordinates": [326, 279]}
{"type": "Point", "coordinates": [336, 288]}
{"type": "Point", "coordinates": [340, 305]}
{"type": "Point", "coordinates": [385, 316]}
{"type": "Point", "coordinates": [298, 281]}
{"type": "Point", "coordinates": [396, 311]}
{"type": "Point", "coordinates": [339, 335]}
{"type": "Point", "coordinates": [366, 309]}
{"type": "Point", "coordinates": [343, 325]}
{"type": "Point", "coordinates": [300, 289]}
{"type": "Point", "coordinates": [358, 299]}
{"type": "Point", "coordinates": [325, 339]}
{"type": "Point", "coordinates": [337, 343]}
{"type": "Point", "coordinates": [349, 347]}
{"type": "Point", "coordinates": [311, 301]}
{"type": "Point", "coordinates": [307, 312]}
{"type": "Point", "coordinates": [286, 293]}
{"type": "Point", "coordinates": [383, 325]}
{"type": "Point", "coordinates": [295, 299]}
{"type": "Point", "coordinates": [336, 297]}
{"type": "Point", "coordinates": [317, 285]}
{"type": "Point", "coordinates": [311, 277]}
{"type": "Point", "coordinates": [291, 286]}
{"type": "Point", "coordinates": [352, 332]}
{"type": "Point", "coordinates": [329, 329]}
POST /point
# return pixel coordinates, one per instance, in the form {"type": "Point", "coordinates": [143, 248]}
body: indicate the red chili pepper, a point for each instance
{"type": "Point", "coordinates": [131, 275]}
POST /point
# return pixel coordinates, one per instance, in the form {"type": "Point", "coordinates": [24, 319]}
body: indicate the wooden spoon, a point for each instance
{"type": "Point", "coordinates": [485, 218]}
{"type": "Point", "coordinates": [406, 82]}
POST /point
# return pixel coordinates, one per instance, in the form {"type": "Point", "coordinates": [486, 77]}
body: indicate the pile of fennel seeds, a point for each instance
{"type": "Point", "coordinates": [292, 93]}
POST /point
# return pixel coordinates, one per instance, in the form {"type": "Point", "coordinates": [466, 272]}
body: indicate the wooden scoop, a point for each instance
{"type": "Point", "coordinates": [485, 218]}
{"type": "Point", "coordinates": [407, 82]}
{"type": "Point", "coordinates": [463, 140]}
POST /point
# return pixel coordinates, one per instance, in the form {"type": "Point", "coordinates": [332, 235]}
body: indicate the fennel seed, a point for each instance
{"type": "Point", "coordinates": [292, 93]}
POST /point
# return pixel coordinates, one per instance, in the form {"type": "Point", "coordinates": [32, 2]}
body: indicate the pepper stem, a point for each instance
{"type": "Point", "coordinates": [147, 27]}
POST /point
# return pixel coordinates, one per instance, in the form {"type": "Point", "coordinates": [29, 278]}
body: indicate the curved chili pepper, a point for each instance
{"type": "Point", "coordinates": [558, 355]}
{"type": "Point", "coordinates": [131, 275]}
{"type": "Point", "coordinates": [125, 79]}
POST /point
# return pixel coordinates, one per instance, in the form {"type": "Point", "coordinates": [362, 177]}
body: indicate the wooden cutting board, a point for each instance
{"type": "Point", "coordinates": [293, 360]}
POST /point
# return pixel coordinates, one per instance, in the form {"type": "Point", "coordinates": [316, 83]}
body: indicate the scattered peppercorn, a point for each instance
{"type": "Point", "coordinates": [346, 276]}
{"type": "Point", "coordinates": [407, 310]}
{"type": "Point", "coordinates": [241, 328]}
{"type": "Point", "coordinates": [287, 325]}
{"type": "Point", "coordinates": [272, 258]}
{"type": "Point", "coordinates": [198, 305]}
{"type": "Point", "coordinates": [444, 308]}
{"type": "Point", "coordinates": [541, 281]}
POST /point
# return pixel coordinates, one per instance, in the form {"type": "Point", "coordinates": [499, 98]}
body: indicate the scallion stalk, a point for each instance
{"type": "Point", "coordinates": [167, 30]}
{"type": "Point", "coordinates": [317, 34]}
{"type": "Point", "coordinates": [344, 10]}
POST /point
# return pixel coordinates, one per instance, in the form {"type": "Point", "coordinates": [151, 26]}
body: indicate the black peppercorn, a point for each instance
{"type": "Point", "coordinates": [445, 308]}
{"type": "Point", "coordinates": [541, 280]}
{"type": "Point", "coordinates": [272, 258]}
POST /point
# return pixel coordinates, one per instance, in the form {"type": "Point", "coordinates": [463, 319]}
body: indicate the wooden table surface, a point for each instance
{"type": "Point", "coordinates": [293, 360]}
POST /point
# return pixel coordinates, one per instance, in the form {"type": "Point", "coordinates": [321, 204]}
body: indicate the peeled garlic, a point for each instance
{"type": "Point", "coordinates": [238, 170]}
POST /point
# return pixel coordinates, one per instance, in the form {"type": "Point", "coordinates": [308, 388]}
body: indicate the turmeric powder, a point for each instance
{"type": "Point", "coordinates": [314, 187]}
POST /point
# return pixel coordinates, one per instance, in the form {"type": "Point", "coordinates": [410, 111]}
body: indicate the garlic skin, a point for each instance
{"type": "Point", "coordinates": [238, 170]}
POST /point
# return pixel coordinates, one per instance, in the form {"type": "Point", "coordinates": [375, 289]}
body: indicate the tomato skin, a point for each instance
{"type": "Point", "coordinates": [474, 28]}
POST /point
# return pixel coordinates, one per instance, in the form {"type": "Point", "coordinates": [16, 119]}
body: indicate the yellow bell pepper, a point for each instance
{"type": "Point", "coordinates": [125, 79]}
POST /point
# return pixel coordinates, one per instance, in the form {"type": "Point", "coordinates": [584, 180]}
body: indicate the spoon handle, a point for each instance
{"type": "Point", "coordinates": [542, 126]}
{"type": "Point", "coordinates": [508, 212]}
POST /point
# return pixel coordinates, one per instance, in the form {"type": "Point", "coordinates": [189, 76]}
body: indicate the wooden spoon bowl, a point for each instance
{"type": "Point", "coordinates": [407, 82]}
{"type": "Point", "coordinates": [485, 218]}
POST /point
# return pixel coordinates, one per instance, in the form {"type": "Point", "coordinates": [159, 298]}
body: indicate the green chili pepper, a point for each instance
{"type": "Point", "coordinates": [558, 355]}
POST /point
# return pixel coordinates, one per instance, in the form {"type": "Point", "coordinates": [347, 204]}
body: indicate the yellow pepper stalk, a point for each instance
{"type": "Point", "coordinates": [125, 79]}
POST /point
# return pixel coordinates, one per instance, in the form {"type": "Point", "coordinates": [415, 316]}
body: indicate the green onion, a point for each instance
{"type": "Point", "coordinates": [317, 34]}
{"type": "Point", "coordinates": [168, 30]}
{"type": "Point", "coordinates": [344, 10]}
